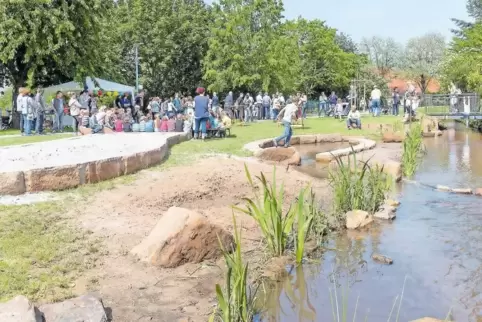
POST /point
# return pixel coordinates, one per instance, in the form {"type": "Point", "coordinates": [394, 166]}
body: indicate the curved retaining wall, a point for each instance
{"type": "Point", "coordinates": [126, 153]}
{"type": "Point", "coordinates": [358, 144]}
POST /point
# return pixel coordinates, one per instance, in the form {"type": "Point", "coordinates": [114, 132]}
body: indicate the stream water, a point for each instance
{"type": "Point", "coordinates": [435, 242]}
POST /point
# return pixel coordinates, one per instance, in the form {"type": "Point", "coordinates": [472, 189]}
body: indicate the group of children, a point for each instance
{"type": "Point", "coordinates": [109, 120]}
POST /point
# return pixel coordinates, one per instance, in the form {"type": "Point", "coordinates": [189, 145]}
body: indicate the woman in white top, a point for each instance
{"type": "Point", "coordinates": [74, 107]}
{"type": "Point", "coordinates": [289, 111]}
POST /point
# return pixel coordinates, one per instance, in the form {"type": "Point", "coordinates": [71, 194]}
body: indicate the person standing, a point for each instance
{"type": "Point", "coordinates": [304, 103]}
{"type": "Point", "coordinates": [177, 104]}
{"type": "Point", "coordinates": [248, 108]}
{"type": "Point", "coordinates": [289, 113]}
{"type": "Point", "coordinates": [229, 104]}
{"type": "Point", "coordinates": [376, 96]}
{"type": "Point", "coordinates": [259, 106]}
{"type": "Point", "coordinates": [266, 105]}
{"type": "Point", "coordinates": [215, 102]}
{"type": "Point", "coordinates": [40, 110]}
{"type": "Point", "coordinates": [322, 106]}
{"type": "Point", "coordinates": [75, 106]}
{"type": "Point", "coordinates": [58, 105]}
{"type": "Point", "coordinates": [276, 107]}
{"type": "Point", "coordinates": [396, 101]}
{"type": "Point", "coordinates": [201, 113]}
{"type": "Point", "coordinates": [139, 100]}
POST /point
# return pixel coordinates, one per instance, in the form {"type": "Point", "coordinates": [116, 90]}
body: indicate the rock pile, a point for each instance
{"type": "Point", "coordinates": [86, 308]}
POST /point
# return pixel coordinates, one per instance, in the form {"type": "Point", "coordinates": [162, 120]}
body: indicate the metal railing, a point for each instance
{"type": "Point", "coordinates": [451, 104]}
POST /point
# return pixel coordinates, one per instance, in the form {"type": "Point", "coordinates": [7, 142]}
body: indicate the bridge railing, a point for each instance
{"type": "Point", "coordinates": [450, 104]}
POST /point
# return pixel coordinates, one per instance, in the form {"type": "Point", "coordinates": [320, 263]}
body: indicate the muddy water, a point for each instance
{"type": "Point", "coordinates": [308, 157]}
{"type": "Point", "coordinates": [435, 242]}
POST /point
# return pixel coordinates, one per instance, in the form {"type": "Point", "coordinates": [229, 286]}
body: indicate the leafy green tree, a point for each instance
{"type": "Point", "coordinates": [323, 63]}
{"type": "Point", "coordinates": [346, 43]}
{"type": "Point", "coordinates": [474, 9]}
{"type": "Point", "coordinates": [423, 57]}
{"type": "Point", "coordinates": [241, 34]}
{"type": "Point", "coordinates": [463, 65]}
{"type": "Point", "coordinates": [38, 35]}
{"type": "Point", "coordinates": [172, 40]}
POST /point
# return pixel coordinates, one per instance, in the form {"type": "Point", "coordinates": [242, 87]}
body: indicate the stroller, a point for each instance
{"type": "Point", "coordinates": [5, 120]}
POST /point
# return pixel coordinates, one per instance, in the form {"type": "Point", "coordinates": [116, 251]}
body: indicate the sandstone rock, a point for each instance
{"type": "Point", "coordinates": [394, 169]}
{"type": "Point", "coordinates": [443, 188]}
{"type": "Point", "coordinates": [392, 202]}
{"type": "Point", "coordinates": [328, 138]}
{"type": "Point", "coordinates": [393, 137]}
{"type": "Point", "coordinates": [12, 183]}
{"type": "Point", "coordinates": [294, 160]}
{"type": "Point", "coordinates": [382, 259]}
{"type": "Point", "coordinates": [19, 309]}
{"type": "Point", "coordinates": [428, 320]}
{"type": "Point", "coordinates": [478, 192]}
{"type": "Point", "coordinates": [307, 139]}
{"type": "Point", "coordinates": [135, 162]}
{"type": "Point", "coordinates": [276, 154]}
{"type": "Point", "coordinates": [386, 212]}
{"type": "Point", "coordinates": [86, 308]}
{"type": "Point", "coordinates": [462, 191]}
{"type": "Point", "coordinates": [55, 178]}
{"type": "Point", "coordinates": [357, 219]}
{"type": "Point", "coordinates": [106, 169]}
{"type": "Point", "coordinates": [182, 236]}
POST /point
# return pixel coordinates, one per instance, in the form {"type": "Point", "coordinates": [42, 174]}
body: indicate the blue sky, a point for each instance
{"type": "Point", "coordinates": [401, 20]}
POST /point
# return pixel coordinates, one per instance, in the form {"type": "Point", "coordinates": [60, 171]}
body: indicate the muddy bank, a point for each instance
{"type": "Point", "coordinates": [125, 215]}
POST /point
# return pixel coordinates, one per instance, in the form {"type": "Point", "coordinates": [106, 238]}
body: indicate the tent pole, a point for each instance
{"type": "Point", "coordinates": [137, 68]}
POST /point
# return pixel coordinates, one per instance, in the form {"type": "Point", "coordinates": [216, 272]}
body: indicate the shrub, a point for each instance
{"type": "Point", "coordinates": [355, 187]}
{"type": "Point", "coordinates": [412, 149]}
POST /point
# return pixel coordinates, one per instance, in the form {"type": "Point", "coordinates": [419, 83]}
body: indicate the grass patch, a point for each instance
{"type": "Point", "coordinates": [40, 254]}
{"type": "Point", "coordinates": [412, 149]}
{"type": "Point", "coordinates": [358, 186]}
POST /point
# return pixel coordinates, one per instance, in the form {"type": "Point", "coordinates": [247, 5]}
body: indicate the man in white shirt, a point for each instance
{"type": "Point", "coordinates": [376, 96]}
{"type": "Point", "coordinates": [353, 120]}
{"type": "Point", "coordinates": [289, 111]}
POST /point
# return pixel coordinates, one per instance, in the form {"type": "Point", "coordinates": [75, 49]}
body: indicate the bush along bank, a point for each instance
{"type": "Point", "coordinates": [412, 150]}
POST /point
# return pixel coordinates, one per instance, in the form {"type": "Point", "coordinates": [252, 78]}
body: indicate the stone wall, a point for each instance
{"type": "Point", "coordinates": [71, 176]}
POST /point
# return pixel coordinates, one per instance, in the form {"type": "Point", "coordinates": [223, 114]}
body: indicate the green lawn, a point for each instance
{"type": "Point", "coordinates": [187, 152]}
{"type": "Point", "coordinates": [41, 254]}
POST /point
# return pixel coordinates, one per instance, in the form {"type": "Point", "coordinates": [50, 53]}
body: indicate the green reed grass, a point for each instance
{"type": "Point", "coordinates": [237, 301]}
{"type": "Point", "coordinates": [412, 150]}
{"type": "Point", "coordinates": [358, 186]}
{"type": "Point", "coordinates": [304, 220]}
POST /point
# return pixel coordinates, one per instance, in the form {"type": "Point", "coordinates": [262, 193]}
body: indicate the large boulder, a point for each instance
{"type": "Point", "coordinates": [283, 155]}
{"type": "Point", "coordinates": [86, 308]}
{"type": "Point", "coordinates": [428, 320]}
{"type": "Point", "coordinates": [357, 219]}
{"type": "Point", "coordinates": [182, 236]}
{"type": "Point", "coordinates": [19, 309]}
{"type": "Point", "coordinates": [393, 137]}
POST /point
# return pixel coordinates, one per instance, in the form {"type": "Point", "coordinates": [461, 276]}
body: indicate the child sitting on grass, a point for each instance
{"type": "Point", "coordinates": [119, 125]}
{"type": "Point", "coordinates": [149, 124]}
{"type": "Point", "coordinates": [187, 126]}
{"type": "Point", "coordinates": [171, 125]}
{"type": "Point", "coordinates": [142, 124]}
{"type": "Point", "coordinates": [164, 124]}
{"type": "Point", "coordinates": [127, 126]}
{"type": "Point", "coordinates": [157, 123]}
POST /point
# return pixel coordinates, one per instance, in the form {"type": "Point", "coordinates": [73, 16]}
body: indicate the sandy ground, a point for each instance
{"type": "Point", "coordinates": [77, 149]}
{"type": "Point", "coordinates": [125, 215]}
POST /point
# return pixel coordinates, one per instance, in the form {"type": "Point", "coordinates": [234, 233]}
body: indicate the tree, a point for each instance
{"type": "Point", "coordinates": [323, 63]}
{"type": "Point", "coordinates": [474, 9]}
{"type": "Point", "coordinates": [346, 43]}
{"type": "Point", "coordinates": [172, 41]}
{"type": "Point", "coordinates": [384, 53]}
{"type": "Point", "coordinates": [39, 35]}
{"type": "Point", "coordinates": [241, 33]}
{"type": "Point", "coordinates": [463, 65]}
{"type": "Point", "coordinates": [423, 57]}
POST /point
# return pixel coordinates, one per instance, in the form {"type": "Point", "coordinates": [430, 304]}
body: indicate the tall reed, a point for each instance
{"type": "Point", "coordinates": [304, 220]}
{"type": "Point", "coordinates": [236, 301]}
{"type": "Point", "coordinates": [358, 186]}
{"type": "Point", "coordinates": [267, 209]}
{"type": "Point", "coordinates": [412, 150]}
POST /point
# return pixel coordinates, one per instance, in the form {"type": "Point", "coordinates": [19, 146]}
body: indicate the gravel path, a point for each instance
{"type": "Point", "coordinates": [77, 150]}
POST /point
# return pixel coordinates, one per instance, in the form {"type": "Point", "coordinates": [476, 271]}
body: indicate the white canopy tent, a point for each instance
{"type": "Point", "coordinates": [91, 84]}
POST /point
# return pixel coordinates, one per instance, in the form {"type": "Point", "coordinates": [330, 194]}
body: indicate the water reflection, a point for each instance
{"type": "Point", "coordinates": [435, 242]}
{"type": "Point", "coordinates": [308, 156]}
